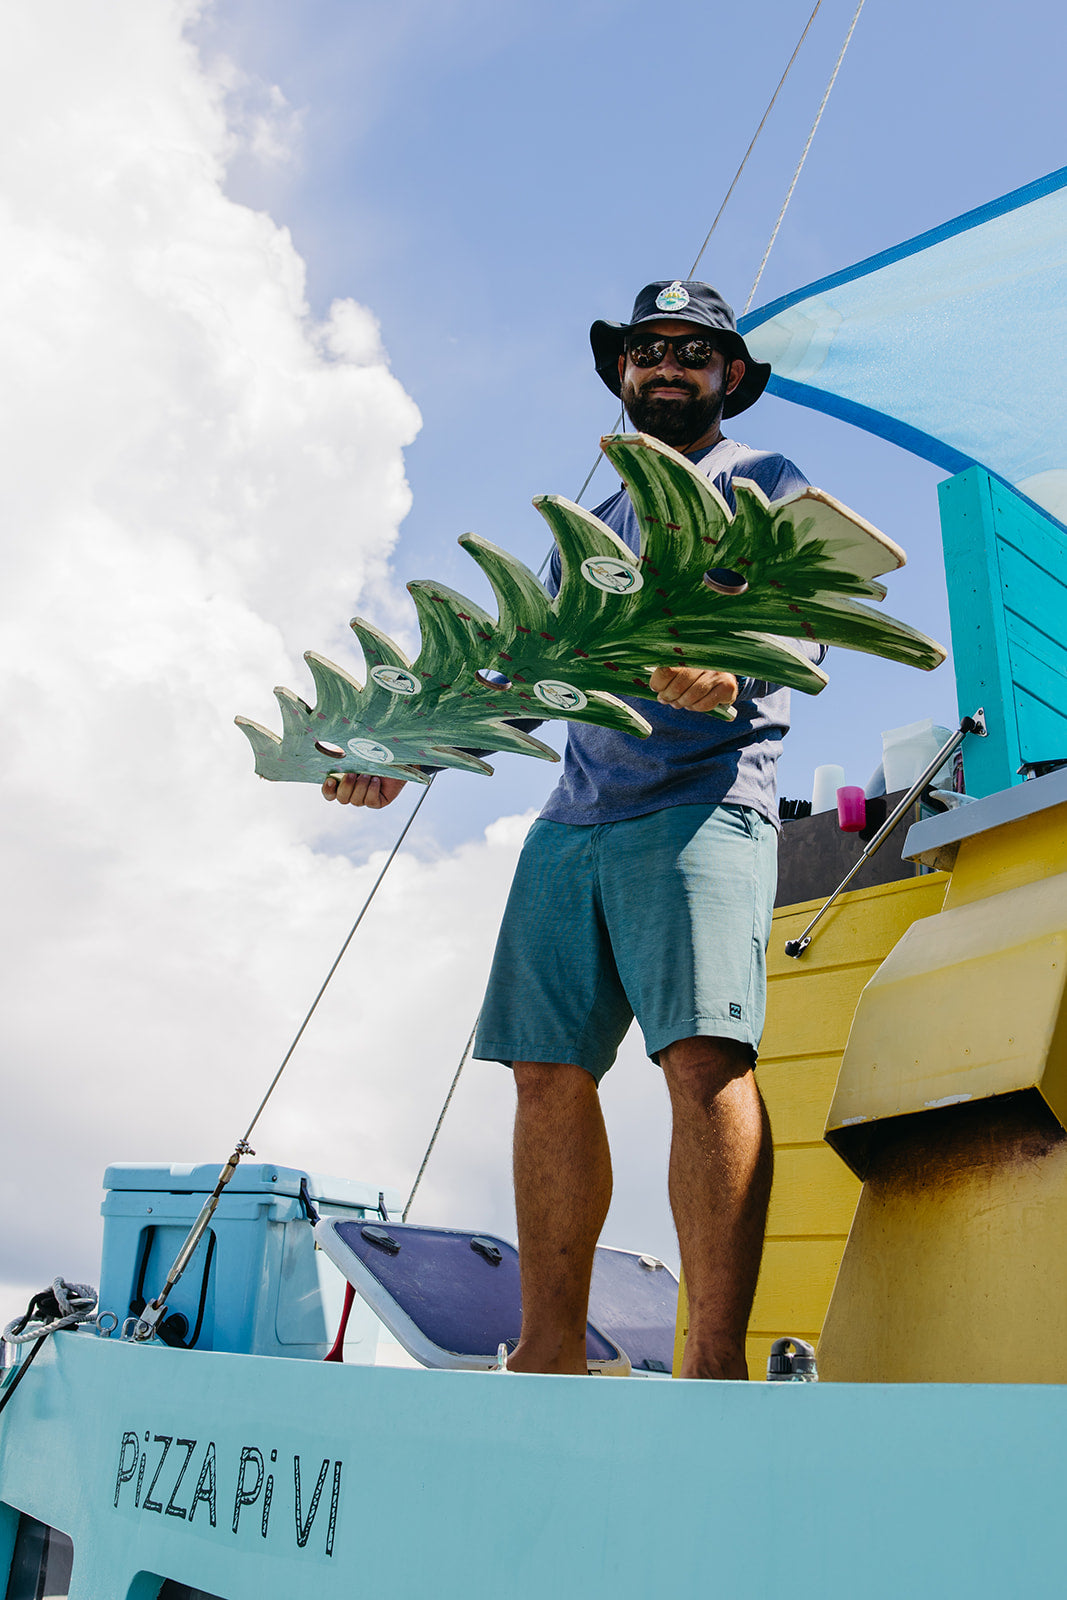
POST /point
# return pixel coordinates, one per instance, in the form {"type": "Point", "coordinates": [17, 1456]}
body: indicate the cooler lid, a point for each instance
{"type": "Point", "coordinates": [251, 1177]}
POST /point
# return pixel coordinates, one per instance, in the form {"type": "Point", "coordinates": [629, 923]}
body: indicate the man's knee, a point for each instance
{"type": "Point", "coordinates": [700, 1069]}
{"type": "Point", "coordinates": [551, 1082]}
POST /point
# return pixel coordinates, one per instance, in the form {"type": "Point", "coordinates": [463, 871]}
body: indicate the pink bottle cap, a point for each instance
{"type": "Point", "coordinates": [851, 809]}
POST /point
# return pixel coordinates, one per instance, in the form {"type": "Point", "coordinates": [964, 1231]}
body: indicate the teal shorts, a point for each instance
{"type": "Point", "coordinates": [664, 918]}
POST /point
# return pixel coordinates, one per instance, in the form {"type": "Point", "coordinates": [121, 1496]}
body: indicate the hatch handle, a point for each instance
{"type": "Point", "coordinates": [305, 1200]}
{"type": "Point", "coordinates": [485, 1247]}
{"type": "Point", "coordinates": [383, 1240]}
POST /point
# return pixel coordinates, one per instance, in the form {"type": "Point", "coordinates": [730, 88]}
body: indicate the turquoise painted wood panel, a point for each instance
{"type": "Point", "coordinates": [1006, 565]}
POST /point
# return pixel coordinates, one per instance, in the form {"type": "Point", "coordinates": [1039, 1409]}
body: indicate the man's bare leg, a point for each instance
{"type": "Point", "coordinates": [720, 1183]}
{"type": "Point", "coordinates": [562, 1193]}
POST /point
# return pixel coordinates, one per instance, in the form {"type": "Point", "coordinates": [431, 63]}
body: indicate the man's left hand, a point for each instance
{"type": "Point", "coordinates": [690, 689]}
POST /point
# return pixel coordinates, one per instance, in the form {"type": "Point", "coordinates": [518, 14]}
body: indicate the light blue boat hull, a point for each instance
{"type": "Point", "coordinates": [460, 1484]}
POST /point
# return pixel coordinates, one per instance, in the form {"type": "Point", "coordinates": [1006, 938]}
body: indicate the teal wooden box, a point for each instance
{"type": "Point", "coordinates": [1006, 566]}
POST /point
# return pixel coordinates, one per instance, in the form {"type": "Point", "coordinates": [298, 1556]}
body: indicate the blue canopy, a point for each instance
{"type": "Point", "coordinates": [951, 345]}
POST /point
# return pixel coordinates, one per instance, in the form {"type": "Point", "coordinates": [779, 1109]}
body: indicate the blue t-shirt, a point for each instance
{"type": "Point", "coordinates": [689, 758]}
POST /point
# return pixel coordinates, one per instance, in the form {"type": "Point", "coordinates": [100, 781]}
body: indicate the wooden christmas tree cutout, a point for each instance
{"type": "Point", "coordinates": [709, 589]}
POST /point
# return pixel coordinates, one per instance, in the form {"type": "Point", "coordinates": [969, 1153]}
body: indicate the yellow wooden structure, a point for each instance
{"type": "Point", "coordinates": [967, 1006]}
{"type": "Point", "coordinates": [810, 1006]}
{"type": "Point", "coordinates": [951, 1102]}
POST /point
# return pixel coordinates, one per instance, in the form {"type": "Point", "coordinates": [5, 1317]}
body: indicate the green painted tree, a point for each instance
{"type": "Point", "coordinates": [708, 589]}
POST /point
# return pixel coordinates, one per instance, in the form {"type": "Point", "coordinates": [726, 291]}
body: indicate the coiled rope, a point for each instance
{"type": "Point", "coordinates": [64, 1305]}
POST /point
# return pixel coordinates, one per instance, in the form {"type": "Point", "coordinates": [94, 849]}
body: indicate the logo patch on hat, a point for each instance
{"type": "Point", "coordinates": [673, 298]}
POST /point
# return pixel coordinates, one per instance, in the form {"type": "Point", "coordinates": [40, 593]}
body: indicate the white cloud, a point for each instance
{"type": "Point", "coordinates": [199, 482]}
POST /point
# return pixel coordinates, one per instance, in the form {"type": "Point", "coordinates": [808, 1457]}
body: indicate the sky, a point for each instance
{"type": "Point", "coordinates": [294, 295]}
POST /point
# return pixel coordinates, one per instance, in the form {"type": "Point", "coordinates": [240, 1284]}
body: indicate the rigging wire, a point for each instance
{"type": "Point", "coordinates": [243, 1145]}
{"type": "Point", "coordinates": [755, 136]}
{"type": "Point", "coordinates": [337, 959]}
{"type": "Point", "coordinates": [592, 469]}
{"type": "Point", "coordinates": [619, 419]}
{"type": "Point", "coordinates": [718, 217]}
{"type": "Point", "coordinates": [804, 155]}
{"type": "Point", "coordinates": [152, 1315]}
{"type": "Point", "coordinates": [441, 1118]}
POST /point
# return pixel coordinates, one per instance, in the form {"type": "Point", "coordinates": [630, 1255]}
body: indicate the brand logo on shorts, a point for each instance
{"type": "Point", "coordinates": [735, 1011]}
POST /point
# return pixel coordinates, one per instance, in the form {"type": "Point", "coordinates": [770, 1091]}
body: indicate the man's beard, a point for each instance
{"type": "Point", "coordinates": [675, 422]}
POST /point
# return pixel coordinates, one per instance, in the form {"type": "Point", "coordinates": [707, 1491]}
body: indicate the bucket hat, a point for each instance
{"type": "Point", "coordinates": [687, 301]}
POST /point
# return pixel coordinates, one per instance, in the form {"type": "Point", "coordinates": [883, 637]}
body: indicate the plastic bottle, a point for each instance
{"type": "Point", "coordinates": [792, 1365]}
{"type": "Point", "coordinates": [851, 808]}
{"type": "Point", "coordinates": [824, 788]}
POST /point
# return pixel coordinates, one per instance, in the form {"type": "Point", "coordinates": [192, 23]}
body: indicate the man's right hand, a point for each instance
{"type": "Point", "coordinates": [360, 789]}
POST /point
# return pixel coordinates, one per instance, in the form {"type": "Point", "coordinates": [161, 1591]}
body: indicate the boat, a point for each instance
{"type": "Point", "coordinates": [915, 1064]}
{"type": "Point", "coordinates": [249, 1464]}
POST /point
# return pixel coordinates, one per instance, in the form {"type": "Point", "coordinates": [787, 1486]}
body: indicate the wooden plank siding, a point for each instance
{"type": "Point", "coordinates": [810, 1005]}
{"type": "Point", "coordinates": [1006, 565]}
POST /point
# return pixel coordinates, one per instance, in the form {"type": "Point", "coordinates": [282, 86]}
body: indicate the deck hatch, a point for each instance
{"type": "Point", "coordinates": [452, 1298]}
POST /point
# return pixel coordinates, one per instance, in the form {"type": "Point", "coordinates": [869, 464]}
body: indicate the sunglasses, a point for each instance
{"type": "Point", "coordinates": [690, 350]}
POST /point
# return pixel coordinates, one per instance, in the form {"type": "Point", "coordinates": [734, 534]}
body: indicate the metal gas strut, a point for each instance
{"type": "Point", "coordinates": [975, 724]}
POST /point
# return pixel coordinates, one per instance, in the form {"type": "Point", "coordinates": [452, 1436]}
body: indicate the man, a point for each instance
{"type": "Point", "coordinates": [645, 889]}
